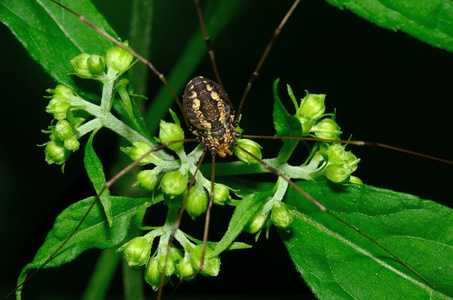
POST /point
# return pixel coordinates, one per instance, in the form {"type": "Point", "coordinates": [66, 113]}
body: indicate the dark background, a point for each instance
{"type": "Point", "coordinates": [386, 87]}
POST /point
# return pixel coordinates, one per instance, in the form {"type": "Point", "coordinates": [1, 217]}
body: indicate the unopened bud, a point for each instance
{"type": "Point", "coordinates": [169, 261]}
{"type": "Point", "coordinates": [251, 146]}
{"type": "Point", "coordinates": [221, 194]}
{"type": "Point", "coordinates": [147, 179]}
{"type": "Point", "coordinates": [211, 265]}
{"type": "Point", "coordinates": [312, 106]}
{"type": "Point", "coordinates": [257, 221]}
{"type": "Point", "coordinates": [139, 149]}
{"type": "Point", "coordinates": [56, 153]}
{"type": "Point", "coordinates": [96, 65]}
{"type": "Point", "coordinates": [281, 216]}
{"type": "Point", "coordinates": [153, 275]}
{"type": "Point", "coordinates": [174, 183]}
{"type": "Point", "coordinates": [64, 130]}
{"type": "Point", "coordinates": [197, 201]}
{"type": "Point", "coordinates": [171, 132]}
{"type": "Point", "coordinates": [326, 129]}
{"type": "Point", "coordinates": [80, 66]}
{"type": "Point", "coordinates": [119, 59]}
{"type": "Point", "coordinates": [338, 172]}
{"type": "Point", "coordinates": [58, 107]}
{"type": "Point", "coordinates": [61, 91]}
{"type": "Point", "coordinates": [136, 251]}
{"type": "Point", "coordinates": [185, 269]}
{"type": "Point", "coordinates": [71, 144]}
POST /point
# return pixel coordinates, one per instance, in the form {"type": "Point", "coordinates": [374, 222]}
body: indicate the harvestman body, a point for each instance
{"type": "Point", "coordinates": [210, 117]}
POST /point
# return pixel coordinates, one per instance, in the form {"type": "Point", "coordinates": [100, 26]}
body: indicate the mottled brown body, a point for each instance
{"type": "Point", "coordinates": [209, 115]}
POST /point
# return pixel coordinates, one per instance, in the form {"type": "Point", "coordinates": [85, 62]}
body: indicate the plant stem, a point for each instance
{"type": "Point", "coordinates": [102, 275]}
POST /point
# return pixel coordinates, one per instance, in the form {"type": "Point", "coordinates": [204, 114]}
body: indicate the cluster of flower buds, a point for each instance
{"type": "Point", "coordinates": [173, 183]}
{"type": "Point", "coordinates": [277, 214]}
{"type": "Point", "coordinates": [185, 267]}
{"type": "Point", "coordinates": [63, 136]}
{"type": "Point", "coordinates": [137, 253]}
{"type": "Point", "coordinates": [313, 120]}
{"type": "Point", "coordinates": [339, 164]}
{"type": "Point", "coordinates": [116, 62]}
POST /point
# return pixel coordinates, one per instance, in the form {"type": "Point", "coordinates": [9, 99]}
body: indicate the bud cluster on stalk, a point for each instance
{"type": "Point", "coordinates": [185, 263]}
{"type": "Point", "coordinates": [336, 164]}
{"type": "Point", "coordinates": [273, 212]}
{"type": "Point", "coordinates": [63, 136]}
{"type": "Point", "coordinates": [65, 105]}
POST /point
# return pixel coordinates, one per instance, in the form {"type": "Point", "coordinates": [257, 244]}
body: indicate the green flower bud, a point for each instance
{"type": "Point", "coordinates": [221, 194]}
{"type": "Point", "coordinates": [139, 149]}
{"type": "Point", "coordinates": [118, 59]}
{"type": "Point", "coordinates": [327, 129]}
{"type": "Point", "coordinates": [153, 274]}
{"type": "Point", "coordinates": [71, 144]}
{"type": "Point", "coordinates": [58, 107]}
{"type": "Point", "coordinates": [64, 130]}
{"type": "Point", "coordinates": [312, 106]}
{"type": "Point", "coordinates": [185, 269]}
{"type": "Point", "coordinates": [174, 257]}
{"type": "Point", "coordinates": [147, 179]}
{"type": "Point", "coordinates": [174, 183]}
{"type": "Point", "coordinates": [197, 201]}
{"type": "Point", "coordinates": [171, 132]}
{"type": "Point", "coordinates": [80, 66]}
{"type": "Point", "coordinates": [281, 216]}
{"type": "Point", "coordinates": [337, 154]}
{"type": "Point", "coordinates": [257, 221]}
{"type": "Point", "coordinates": [211, 266]}
{"type": "Point", "coordinates": [61, 91]}
{"type": "Point", "coordinates": [96, 65]}
{"type": "Point", "coordinates": [338, 172]}
{"type": "Point", "coordinates": [251, 146]}
{"type": "Point", "coordinates": [136, 251]}
{"type": "Point", "coordinates": [56, 153]}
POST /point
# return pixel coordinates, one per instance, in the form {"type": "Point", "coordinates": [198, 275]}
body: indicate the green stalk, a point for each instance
{"type": "Point", "coordinates": [102, 275]}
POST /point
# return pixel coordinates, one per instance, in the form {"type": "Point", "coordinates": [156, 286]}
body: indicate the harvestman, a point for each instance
{"type": "Point", "coordinates": [218, 149]}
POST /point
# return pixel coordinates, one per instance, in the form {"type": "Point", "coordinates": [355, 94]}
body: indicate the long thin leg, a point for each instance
{"type": "Point", "coordinates": [255, 73]}
{"type": "Point", "coordinates": [176, 226]}
{"type": "Point", "coordinates": [325, 210]}
{"type": "Point", "coordinates": [207, 39]}
{"type": "Point", "coordinates": [356, 143]}
{"type": "Point", "coordinates": [135, 54]}
{"type": "Point", "coordinates": [208, 215]}
{"type": "Point", "coordinates": [107, 185]}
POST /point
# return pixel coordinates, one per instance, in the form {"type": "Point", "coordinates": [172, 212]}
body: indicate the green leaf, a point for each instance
{"type": "Point", "coordinates": [52, 36]}
{"type": "Point", "coordinates": [95, 171]}
{"type": "Point", "coordinates": [338, 263]}
{"type": "Point", "coordinates": [93, 233]}
{"type": "Point", "coordinates": [430, 21]}
{"type": "Point", "coordinates": [286, 125]}
{"type": "Point", "coordinates": [242, 214]}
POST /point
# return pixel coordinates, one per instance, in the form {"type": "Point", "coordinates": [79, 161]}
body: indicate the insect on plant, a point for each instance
{"type": "Point", "coordinates": [400, 244]}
